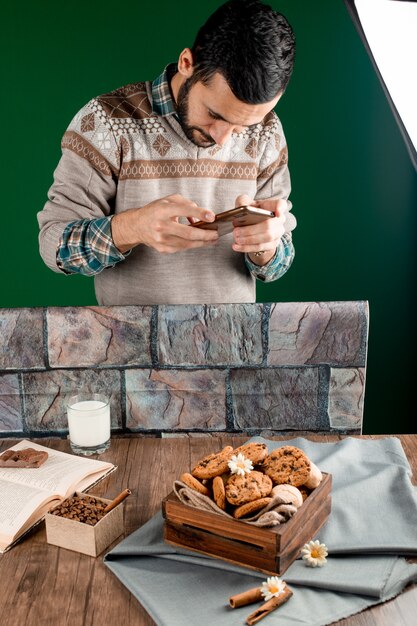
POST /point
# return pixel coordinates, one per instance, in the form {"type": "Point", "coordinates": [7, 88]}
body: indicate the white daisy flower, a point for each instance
{"type": "Point", "coordinates": [272, 587]}
{"type": "Point", "coordinates": [314, 553]}
{"type": "Point", "coordinates": [239, 465]}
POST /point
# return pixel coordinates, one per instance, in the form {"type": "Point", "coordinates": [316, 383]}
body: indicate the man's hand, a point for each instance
{"type": "Point", "coordinates": [157, 225]}
{"type": "Point", "coordinates": [264, 236]}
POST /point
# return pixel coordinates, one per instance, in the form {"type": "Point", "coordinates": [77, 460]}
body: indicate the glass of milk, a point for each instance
{"type": "Point", "coordinates": [89, 423]}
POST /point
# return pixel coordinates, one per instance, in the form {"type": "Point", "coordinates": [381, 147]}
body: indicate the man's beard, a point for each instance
{"type": "Point", "coordinates": [193, 133]}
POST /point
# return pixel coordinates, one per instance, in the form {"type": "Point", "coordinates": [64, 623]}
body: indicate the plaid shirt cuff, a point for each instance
{"type": "Point", "coordinates": [278, 265]}
{"type": "Point", "coordinates": [86, 247]}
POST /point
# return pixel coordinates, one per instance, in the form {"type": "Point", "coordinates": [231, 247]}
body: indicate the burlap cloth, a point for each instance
{"type": "Point", "coordinates": [276, 512]}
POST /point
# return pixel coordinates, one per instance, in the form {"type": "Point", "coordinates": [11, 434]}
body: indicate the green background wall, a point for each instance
{"type": "Point", "coordinates": [354, 188]}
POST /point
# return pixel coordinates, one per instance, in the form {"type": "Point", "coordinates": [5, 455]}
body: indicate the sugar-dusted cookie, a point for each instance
{"type": "Point", "coordinates": [250, 508]}
{"type": "Point", "coordinates": [256, 452]}
{"type": "Point", "coordinates": [289, 494]}
{"type": "Point", "coordinates": [195, 484]}
{"type": "Point", "coordinates": [219, 492]}
{"type": "Point", "coordinates": [288, 465]}
{"type": "Point", "coordinates": [252, 486]}
{"type": "Point", "coordinates": [213, 464]}
{"type": "Point", "coordinates": [314, 478]}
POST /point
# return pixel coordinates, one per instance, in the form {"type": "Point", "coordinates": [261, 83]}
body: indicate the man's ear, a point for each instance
{"type": "Point", "coordinates": [186, 63]}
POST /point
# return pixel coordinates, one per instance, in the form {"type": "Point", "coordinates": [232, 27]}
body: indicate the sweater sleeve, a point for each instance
{"type": "Point", "coordinates": [274, 181]}
{"type": "Point", "coordinates": [82, 194]}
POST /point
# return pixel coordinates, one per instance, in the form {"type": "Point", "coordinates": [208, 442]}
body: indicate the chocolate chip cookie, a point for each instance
{"type": "Point", "coordinates": [287, 464]}
{"type": "Point", "coordinates": [256, 452]}
{"type": "Point", "coordinates": [252, 486]}
{"type": "Point", "coordinates": [213, 464]}
{"type": "Point", "coordinates": [219, 492]}
{"type": "Point", "coordinates": [250, 507]}
{"type": "Point", "coordinates": [195, 484]}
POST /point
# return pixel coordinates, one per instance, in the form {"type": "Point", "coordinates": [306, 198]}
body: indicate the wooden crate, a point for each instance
{"type": "Point", "coordinates": [270, 550]}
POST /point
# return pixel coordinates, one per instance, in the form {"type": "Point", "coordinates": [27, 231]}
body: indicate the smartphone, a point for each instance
{"type": "Point", "coordinates": [240, 216]}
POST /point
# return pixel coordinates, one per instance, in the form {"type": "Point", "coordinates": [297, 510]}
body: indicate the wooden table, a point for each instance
{"type": "Point", "coordinates": [43, 584]}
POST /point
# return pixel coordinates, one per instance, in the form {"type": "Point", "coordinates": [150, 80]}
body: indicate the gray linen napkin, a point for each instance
{"type": "Point", "coordinates": [374, 503]}
{"type": "Point", "coordinates": [374, 510]}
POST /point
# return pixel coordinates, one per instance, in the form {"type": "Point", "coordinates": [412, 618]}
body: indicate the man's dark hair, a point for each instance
{"type": "Point", "coordinates": [251, 45]}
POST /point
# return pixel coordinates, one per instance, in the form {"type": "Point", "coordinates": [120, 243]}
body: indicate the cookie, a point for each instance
{"type": "Point", "coordinates": [193, 483]}
{"type": "Point", "coordinates": [219, 492]}
{"type": "Point", "coordinates": [251, 507]}
{"type": "Point", "coordinates": [289, 494]}
{"type": "Point", "coordinates": [287, 465]}
{"type": "Point", "coordinates": [213, 464]}
{"type": "Point", "coordinates": [256, 452]}
{"type": "Point", "coordinates": [314, 478]}
{"type": "Point", "coordinates": [225, 476]}
{"type": "Point", "coordinates": [27, 457]}
{"type": "Point", "coordinates": [247, 488]}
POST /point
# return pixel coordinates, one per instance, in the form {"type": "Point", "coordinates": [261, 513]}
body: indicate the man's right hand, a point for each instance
{"type": "Point", "coordinates": [157, 225]}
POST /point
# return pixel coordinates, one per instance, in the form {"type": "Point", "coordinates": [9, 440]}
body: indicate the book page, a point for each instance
{"type": "Point", "coordinates": [17, 504]}
{"type": "Point", "coordinates": [60, 473]}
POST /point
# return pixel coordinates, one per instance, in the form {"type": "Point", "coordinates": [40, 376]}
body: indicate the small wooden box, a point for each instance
{"type": "Point", "coordinates": [80, 537]}
{"type": "Point", "coordinates": [270, 550]}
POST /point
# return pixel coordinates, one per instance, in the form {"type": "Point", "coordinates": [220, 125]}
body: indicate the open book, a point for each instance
{"type": "Point", "coordinates": [26, 494]}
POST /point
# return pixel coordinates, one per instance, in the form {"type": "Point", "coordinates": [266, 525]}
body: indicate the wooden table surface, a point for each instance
{"type": "Point", "coordinates": [42, 584]}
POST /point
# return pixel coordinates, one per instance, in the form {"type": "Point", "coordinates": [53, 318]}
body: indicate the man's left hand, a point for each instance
{"type": "Point", "coordinates": [264, 236]}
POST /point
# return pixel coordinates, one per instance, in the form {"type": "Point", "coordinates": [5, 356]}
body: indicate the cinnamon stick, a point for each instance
{"type": "Point", "coordinates": [246, 597]}
{"type": "Point", "coordinates": [269, 606]}
{"type": "Point", "coordinates": [118, 499]}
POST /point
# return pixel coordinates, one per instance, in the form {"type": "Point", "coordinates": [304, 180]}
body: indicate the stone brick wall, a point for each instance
{"type": "Point", "coordinates": [187, 368]}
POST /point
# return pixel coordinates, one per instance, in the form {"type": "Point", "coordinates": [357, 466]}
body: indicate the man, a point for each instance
{"type": "Point", "coordinates": [144, 162]}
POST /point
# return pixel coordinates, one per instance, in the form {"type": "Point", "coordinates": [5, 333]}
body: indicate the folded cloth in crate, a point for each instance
{"type": "Point", "coordinates": [373, 519]}
{"type": "Point", "coordinates": [276, 512]}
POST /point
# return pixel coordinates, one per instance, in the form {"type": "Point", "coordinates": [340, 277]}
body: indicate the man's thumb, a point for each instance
{"type": "Point", "coordinates": [243, 200]}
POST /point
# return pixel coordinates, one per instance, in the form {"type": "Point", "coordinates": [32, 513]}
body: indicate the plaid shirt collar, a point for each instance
{"type": "Point", "coordinates": [162, 101]}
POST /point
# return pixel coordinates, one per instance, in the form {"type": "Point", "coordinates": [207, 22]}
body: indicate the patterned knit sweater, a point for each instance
{"type": "Point", "coordinates": [121, 152]}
